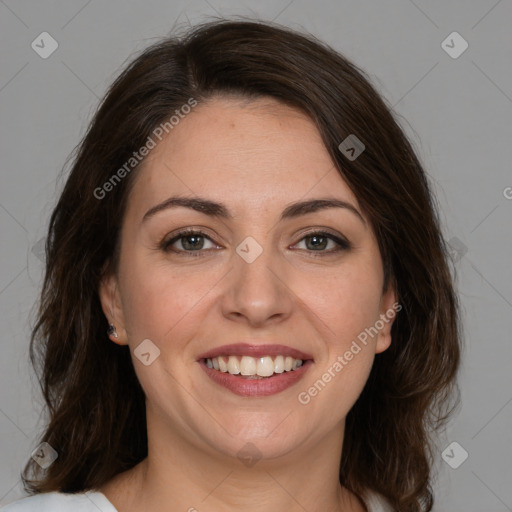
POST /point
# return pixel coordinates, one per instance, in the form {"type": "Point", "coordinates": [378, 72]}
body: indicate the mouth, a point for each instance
{"type": "Point", "coordinates": [255, 370]}
{"type": "Point", "coordinates": [247, 367]}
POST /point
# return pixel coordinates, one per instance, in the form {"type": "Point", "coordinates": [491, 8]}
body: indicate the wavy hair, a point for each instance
{"type": "Point", "coordinates": [95, 404]}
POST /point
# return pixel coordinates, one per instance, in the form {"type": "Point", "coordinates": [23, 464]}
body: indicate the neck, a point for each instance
{"type": "Point", "coordinates": [179, 475]}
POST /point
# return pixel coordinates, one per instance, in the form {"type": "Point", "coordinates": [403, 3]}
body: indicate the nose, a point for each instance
{"type": "Point", "coordinates": [257, 293]}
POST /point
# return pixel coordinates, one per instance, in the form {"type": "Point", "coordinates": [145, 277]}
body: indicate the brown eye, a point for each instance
{"type": "Point", "coordinates": [322, 242]}
{"type": "Point", "coordinates": [192, 242]}
{"type": "Point", "coordinates": [188, 241]}
{"type": "Point", "coordinates": [316, 242]}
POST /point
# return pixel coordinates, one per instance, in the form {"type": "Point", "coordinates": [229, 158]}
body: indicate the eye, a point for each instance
{"type": "Point", "coordinates": [324, 242]}
{"type": "Point", "coordinates": [188, 241]}
{"type": "Point", "coordinates": [192, 241]}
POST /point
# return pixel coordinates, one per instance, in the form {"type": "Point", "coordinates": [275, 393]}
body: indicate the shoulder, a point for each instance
{"type": "Point", "coordinates": [89, 501]}
{"type": "Point", "coordinates": [375, 502]}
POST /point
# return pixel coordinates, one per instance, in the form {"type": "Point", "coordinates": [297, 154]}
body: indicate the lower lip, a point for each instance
{"type": "Point", "coordinates": [256, 387]}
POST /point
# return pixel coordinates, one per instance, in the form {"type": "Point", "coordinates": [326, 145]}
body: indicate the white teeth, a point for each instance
{"type": "Point", "coordinates": [248, 365]}
{"type": "Point", "coordinates": [297, 363]}
{"type": "Point", "coordinates": [256, 367]}
{"type": "Point", "coordinates": [279, 364]}
{"type": "Point", "coordinates": [265, 367]}
{"type": "Point", "coordinates": [233, 365]}
{"type": "Point", "coordinates": [223, 366]}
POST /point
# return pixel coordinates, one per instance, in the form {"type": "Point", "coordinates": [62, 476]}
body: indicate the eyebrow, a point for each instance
{"type": "Point", "coordinates": [219, 210]}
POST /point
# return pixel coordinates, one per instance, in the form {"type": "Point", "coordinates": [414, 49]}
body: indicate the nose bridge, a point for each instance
{"type": "Point", "coordinates": [256, 290]}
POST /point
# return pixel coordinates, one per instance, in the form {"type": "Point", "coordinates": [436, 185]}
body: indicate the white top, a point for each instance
{"type": "Point", "coordinates": [94, 501]}
{"type": "Point", "coordinates": [89, 501]}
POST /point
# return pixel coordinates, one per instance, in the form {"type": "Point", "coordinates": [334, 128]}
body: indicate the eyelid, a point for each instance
{"type": "Point", "coordinates": [342, 244]}
{"type": "Point", "coordinates": [169, 240]}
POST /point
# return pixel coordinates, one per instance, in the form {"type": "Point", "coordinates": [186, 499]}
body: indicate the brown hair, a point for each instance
{"type": "Point", "coordinates": [95, 403]}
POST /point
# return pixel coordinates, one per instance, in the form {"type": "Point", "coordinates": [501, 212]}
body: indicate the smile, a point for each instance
{"type": "Point", "coordinates": [255, 370]}
{"type": "Point", "coordinates": [254, 367]}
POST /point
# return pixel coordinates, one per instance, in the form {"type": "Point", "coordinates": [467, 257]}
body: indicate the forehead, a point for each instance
{"type": "Point", "coordinates": [254, 153]}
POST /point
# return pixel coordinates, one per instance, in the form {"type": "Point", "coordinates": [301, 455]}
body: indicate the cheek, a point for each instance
{"type": "Point", "coordinates": [347, 301]}
{"type": "Point", "coordinates": [159, 300]}
{"type": "Point", "coordinates": [350, 351]}
{"type": "Point", "coordinates": [349, 379]}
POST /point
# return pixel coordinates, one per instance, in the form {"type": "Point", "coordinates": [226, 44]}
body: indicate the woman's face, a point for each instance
{"type": "Point", "coordinates": [253, 276]}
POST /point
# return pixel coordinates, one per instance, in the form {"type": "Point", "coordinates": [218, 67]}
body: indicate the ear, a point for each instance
{"type": "Point", "coordinates": [388, 311]}
{"type": "Point", "coordinates": [111, 305]}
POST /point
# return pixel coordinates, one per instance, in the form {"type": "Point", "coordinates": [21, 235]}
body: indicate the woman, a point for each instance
{"type": "Point", "coordinates": [252, 228]}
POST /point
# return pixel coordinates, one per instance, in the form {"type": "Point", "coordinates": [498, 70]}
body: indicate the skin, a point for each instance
{"type": "Point", "coordinates": [256, 157]}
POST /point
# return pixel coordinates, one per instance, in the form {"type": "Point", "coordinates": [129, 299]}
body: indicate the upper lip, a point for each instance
{"type": "Point", "coordinates": [245, 349]}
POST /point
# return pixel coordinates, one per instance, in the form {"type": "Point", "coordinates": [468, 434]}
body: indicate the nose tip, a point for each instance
{"type": "Point", "coordinates": [256, 293]}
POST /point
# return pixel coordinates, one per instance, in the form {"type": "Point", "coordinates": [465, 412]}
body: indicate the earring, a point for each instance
{"type": "Point", "coordinates": [112, 331]}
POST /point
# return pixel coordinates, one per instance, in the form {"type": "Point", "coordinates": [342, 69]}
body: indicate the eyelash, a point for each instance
{"type": "Point", "coordinates": [343, 245]}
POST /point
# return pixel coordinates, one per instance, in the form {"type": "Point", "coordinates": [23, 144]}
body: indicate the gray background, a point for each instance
{"type": "Point", "coordinates": [458, 113]}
